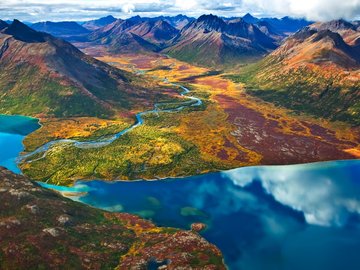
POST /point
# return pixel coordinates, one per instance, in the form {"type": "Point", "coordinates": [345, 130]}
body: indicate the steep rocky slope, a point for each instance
{"type": "Point", "coordinates": [40, 74]}
{"type": "Point", "coordinates": [135, 35]}
{"type": "Point", "coordinates": [317, 70]}
{"type": "Point", "coordinates": [211, 41]}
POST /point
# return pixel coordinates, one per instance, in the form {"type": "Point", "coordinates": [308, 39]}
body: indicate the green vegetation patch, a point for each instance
{"type": "Point", "coordinates": [146, 152]}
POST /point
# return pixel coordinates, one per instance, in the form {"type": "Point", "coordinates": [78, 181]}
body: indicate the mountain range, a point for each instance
{"type": "Point", "coordinates": [60, 29]}
{"type": "Point", "coordinates": [317, 70]}
{"type": "Point", "coordinates": [209, 40]}
{"type": "Point", "coordinates": [316, 66]}
{"type": "Point", "coordinates": [41, 74]}
{"type": "Point", "coordinates": [178, 21]}
{"type": "Point", "coordinates": [134, 35]}
{"type": "Point", "coordinates": [96, 24]}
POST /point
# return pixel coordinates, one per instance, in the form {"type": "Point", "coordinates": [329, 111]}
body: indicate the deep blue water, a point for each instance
{"type": "Point", "coordinates": [13, 129]}
{"type": "Point", "coordinates": [267, 217]}
{"type": "Point", "coordinates": [283, 217]}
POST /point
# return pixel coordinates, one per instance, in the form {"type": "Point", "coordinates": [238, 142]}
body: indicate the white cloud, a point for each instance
{"type": "Point", "coordinates": [128, 8]}
{"type": "Point", "coordinates": [86, 9]}
{"type": "Point", "coordinates": [311, 9]}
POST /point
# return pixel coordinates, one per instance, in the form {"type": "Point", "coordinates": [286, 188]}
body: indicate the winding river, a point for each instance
{"type": "Point", "coordinates": [106, 140]}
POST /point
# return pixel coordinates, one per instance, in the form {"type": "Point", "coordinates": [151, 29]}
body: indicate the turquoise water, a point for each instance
{"type": "Point", "coordinates": [13, 129]}
{"type": "Point", "coordinates": [267, 217]}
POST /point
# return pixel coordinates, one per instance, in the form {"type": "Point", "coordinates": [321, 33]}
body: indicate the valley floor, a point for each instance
{"type": "Point", "coordinates": [231, 129]}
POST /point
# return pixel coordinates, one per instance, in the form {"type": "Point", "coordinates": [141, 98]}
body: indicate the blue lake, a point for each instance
{"type": "Point", "coordinates": [266, 217]}
{"type": "Point", "coordinates": [13, 130]}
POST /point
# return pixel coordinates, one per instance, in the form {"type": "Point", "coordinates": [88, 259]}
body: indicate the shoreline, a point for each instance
{"type": "Point", "coordinates": [163, 179]}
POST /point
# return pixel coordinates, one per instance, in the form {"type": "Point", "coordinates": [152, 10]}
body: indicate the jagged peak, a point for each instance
{"type": "Point", "coordinates": [136, 18]}
{"type": "Point", "coordinates": [209, 17]}
{"type": "Point", "coordinates": [164, 24]}
{"type": "Point", "coordinates": [250, 18]}
{"type": "Point", "coordinates": [210, 22]}
{"type": "Point", "coordinates": [181, 16]}
{"type": "Point", "coordinates": [24, 33]}
{"type": "Point", "coordinates": [107, 17]}
{"type": "Point", "coordinates": [248, 15]}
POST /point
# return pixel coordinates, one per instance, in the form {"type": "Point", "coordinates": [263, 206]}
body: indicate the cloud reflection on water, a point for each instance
{"type": "Point", "coordinates": [326, 195]}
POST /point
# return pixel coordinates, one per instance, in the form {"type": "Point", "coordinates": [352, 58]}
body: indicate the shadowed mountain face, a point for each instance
{"type": "Point", "coordinates": [60, 29]}
{"type": "Point", "coordinates": [39, 229]}
{"type": "Point", "coordinates": [250, 19]}
{"type": "Point", "coordinates": [23, 33]}
{"type": "Point", "coordinates": [135, 35]}
{"type": "Point", "coordinates": [49, 76]}
{"type": "Point", "coordinates": [96, 24]}
{"type": "Point", "coordinates": [286, 25]}
{"type": "Point", "coordinates": [211, 41]}
{"type": "Point", "coordinates": [3, 25]}
{"type": "Point", "coordinates": [316, 68]}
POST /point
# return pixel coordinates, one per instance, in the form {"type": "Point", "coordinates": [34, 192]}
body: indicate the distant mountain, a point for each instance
{"type": "Point", "coordinates": [135, 35]}
{"type": "Point", "coordinates": [158, 32]}
{"type": "Point", "coordinates": [316, 70]}
{"type": "Point", "coordinates": [250, 19]}
{"type": "Point", "coordinates": [96, 24]}
{"type": "Point", "coordinates": [210, 40]}
{"type": "Point", "coordinates": [348, 31]}
{"type": "Point", "coordinates": [3, 25]}
{"type": "Point", "coordinates": [40, 74]}
{"type": "Point", "coordinates": [270, 31]}
{"type": "Point", "coordinates": [60, 29]}
{"type": "Point", "coordinates": [178, 21]}
{"type": "Point", "coordinates": [279, 27]}
{"type": "Point", "coordinates": [110, 31]}
{"type": "Point", "coordinates": [286, 25]}
{"type": "Point", "coordinates": [24, 22]}
{"type": "Point", "coordinates": [335, 26]}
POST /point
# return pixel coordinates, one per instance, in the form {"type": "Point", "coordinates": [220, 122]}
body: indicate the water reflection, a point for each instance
{"type": "Point", "coordinates": [327, 193]}
{"type": "Point", "coordinates": [284, 217]}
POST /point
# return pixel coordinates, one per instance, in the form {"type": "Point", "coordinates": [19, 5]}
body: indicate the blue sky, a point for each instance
{"type": "Point", "coordinates": [58, 10]}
